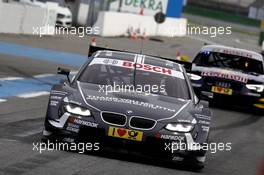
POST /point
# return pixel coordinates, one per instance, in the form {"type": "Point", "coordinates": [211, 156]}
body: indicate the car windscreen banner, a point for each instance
{"type": "Point", "coordinates": [138, 66]}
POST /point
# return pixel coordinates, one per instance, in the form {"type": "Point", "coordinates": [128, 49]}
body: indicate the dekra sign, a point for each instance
{"type": "Point", "coordinates": [155, 5]}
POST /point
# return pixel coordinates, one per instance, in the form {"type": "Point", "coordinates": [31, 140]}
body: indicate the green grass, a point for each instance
{"type": "Point", "coordinates": [220, 15]}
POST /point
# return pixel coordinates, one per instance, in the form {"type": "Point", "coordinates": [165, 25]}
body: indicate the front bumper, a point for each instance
{"type": "Point", "coordinates": [152, 145]}
{"type": "Point", "coordinates": [241, 99]}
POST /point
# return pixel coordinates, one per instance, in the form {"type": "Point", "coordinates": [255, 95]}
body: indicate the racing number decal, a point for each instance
{"type": "Point", "coordinates": [125, 133]}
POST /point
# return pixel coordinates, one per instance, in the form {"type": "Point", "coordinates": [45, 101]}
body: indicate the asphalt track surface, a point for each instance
{"type": "Point", "coordinates": [21, 119]}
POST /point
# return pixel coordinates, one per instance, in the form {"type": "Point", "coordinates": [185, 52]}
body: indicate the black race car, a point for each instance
{"type": "Point", "coordinates": [134, 102]}
{"type": "Point", "coordinates": [229, 76]}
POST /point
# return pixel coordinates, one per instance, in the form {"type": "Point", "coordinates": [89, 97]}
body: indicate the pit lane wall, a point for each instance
{"type": "Point", "coordinates": [18, 18]}
{"type": "Point", "coordinates": [113, 24]}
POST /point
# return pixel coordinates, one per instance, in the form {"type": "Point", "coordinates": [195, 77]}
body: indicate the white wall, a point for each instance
{"type": "Point", "coordinates": [20, 18]}
{"type": "Point", "coordinates": [82, 13]}
{"type": "Point", "coordinates": [117, 24]}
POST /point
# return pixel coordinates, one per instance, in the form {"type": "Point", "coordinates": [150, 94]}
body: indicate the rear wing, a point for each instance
{"type": "Point", "coordinates": [187, 65]}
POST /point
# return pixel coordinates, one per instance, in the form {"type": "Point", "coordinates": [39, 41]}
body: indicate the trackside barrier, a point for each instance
{"type": "Point", "coordinates": [22, 19]}
{"type": "Point", "coordinates": [118, 24]}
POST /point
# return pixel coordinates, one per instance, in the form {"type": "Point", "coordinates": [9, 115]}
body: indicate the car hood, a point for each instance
{"type": "Point", "coordinates": [156, 107]}
{"type": "Point", "coordinates": [228, 74]}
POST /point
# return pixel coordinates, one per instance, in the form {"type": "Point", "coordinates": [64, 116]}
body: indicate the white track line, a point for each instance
{"type": "Point", "coordinates": [29, 133]}
{"type": "Point", "coordinates": [3, 141]}
{"type": "Point", "coordinates": [33, 94]}
{"type": "Point", "coordinates": [11, 78]}
{"type": "Point", "coordinates": [201, 39]}
{"type": "Point", "coordinates": [2, 100]}
{"type": "Point", "coordinates": [21, 78]}
{"type": "Point", "coordinates": [35, 76]}
{"type": "Point", "coordinates": [44, 75]}
{"type": "Point", "coordinates": [74, 72]}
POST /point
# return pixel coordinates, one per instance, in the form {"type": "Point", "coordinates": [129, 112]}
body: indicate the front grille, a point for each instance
{"type": "Point", "coordinates": [142, 123]}
{"type": "Point", "coordinates": [114, 118]}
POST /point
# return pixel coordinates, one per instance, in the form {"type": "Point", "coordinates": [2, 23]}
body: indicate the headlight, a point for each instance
{"type": "Point", "coordinates": [179, 127]}
{"type": "Point", "coordinates": [255, 87]}
{"type": "Point", "coordinates": [194, 77]}
{"type": "Point", "coordinates": [77, 110]}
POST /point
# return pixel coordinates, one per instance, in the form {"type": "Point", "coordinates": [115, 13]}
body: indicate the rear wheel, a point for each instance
{"type": "Point", "coordinates": [196, 163]}
{"type": "Point", "coordinates": [198, 167]}
{"type": "Point", "coordinates": [190, 162]}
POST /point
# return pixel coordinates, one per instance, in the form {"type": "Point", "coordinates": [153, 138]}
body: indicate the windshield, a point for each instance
{"type": "Point", "coordinates": [222, 60]}
{"type": "Point", "coordinates": [173, 85]}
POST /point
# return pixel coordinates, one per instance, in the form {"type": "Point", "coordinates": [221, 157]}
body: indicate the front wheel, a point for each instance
{"type": "Point", "coordinates": [259, 112]}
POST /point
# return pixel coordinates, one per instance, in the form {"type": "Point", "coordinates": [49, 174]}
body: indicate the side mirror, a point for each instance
{"type": "Point", "coordinates": [64, 71]}
{"type": "Point", "coordinates": [204, 103]}
{"type": "Point", "coordinates": [206, 96]}
{"type": "Point", "coordinates": [204, 99]}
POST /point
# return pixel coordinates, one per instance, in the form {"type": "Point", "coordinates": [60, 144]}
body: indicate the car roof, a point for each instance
{"type": "Point", "coordinates": [233, 51]}
{"type": "Point", "coordinates": [129, 56]}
